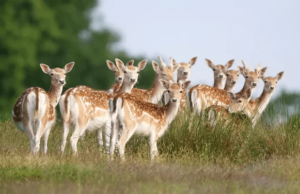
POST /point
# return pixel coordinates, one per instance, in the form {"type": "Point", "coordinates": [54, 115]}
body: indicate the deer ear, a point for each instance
{"type": "Point", "coordinates": [262, 73]}
{"type": "Point", "coordinates": [161, 62]}
{"type": "Point", "coordinates": [120, 64]}
{"type": "Point", "coordinates": [257, 69]}
{"type": "Point", "coordinates": [45, 68]}
{"type": "Point", "coordinates": [209, 63]}
{"type": "Point", "coordinates": [164, 84]}
{"type": "Point", "coordinates": [279, 76]}
{"type": "Point", "coordinates": [175, 66]}
{"type": "Point", "coordinates": [231, 95]}
{"type": "Point", "coordinates": [142, 64]}
{"type": "Point", "coordinates": [155, 66]}
{"type": "Point", "coordinates": [186, 84]}
{"type": "Point", "coordinates": [229, 64]}
{"type": "Point", "coordinates": [130, 63]}
{"type": "Point", "coordinates": [240, 70]}
{"type": "Point", "coordinates": [193, 61]}
{"type": "Point", "coordinates": [69, 67]}
{"type": "Point", "coordinates": [110, 65]}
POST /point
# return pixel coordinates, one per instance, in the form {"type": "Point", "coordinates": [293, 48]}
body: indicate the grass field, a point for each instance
{"type": "Point", "coordinates": [194, 158]}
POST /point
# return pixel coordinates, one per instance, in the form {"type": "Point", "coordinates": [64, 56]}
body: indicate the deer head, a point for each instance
{"type": "Point", "coordinates": [219, 72]}
{"type": "Point", "coordinates": [175, 89]}
{"type": "Point", "coordinates": [58, 75]}
{"type": "Point", "coordinates": [184, 70]}
{"type": "Point", "coordinates": [250, 76]}
{"type": "Point", "coordinates": [271, 82]}
{"type": "Point", "coordinates": [163, 71]}
{"type": "Point", "coordinates": [238, 102]}
{"type": "Point", "coordinates": [119, 75]}
{"type": "Point", "coordinates": [131, 73]}
{"type": "Point", "coordinates": [231, 80]}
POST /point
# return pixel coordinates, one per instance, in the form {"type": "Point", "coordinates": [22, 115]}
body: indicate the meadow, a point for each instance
{"type": "Point", "coordinates": [194, 158]}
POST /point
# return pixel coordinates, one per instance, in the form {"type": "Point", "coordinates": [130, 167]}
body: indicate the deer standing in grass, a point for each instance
{"type": "Point", "coordinates": [154, 94]}
{"type": "Point", "coordinates": [254, 108]}
{"type": "Point", "coordinates": [183, 74]}
{"type": "Point", "coordinates": [119, 75]}
{"type": "Point", "coordinates": [130, 116]}
{"type": "Point", "coordinates": [88, 109]}
{"type": "Point", "coordinates": [34, 111]}
{"type": "Point", "coordinates": [203, 96]}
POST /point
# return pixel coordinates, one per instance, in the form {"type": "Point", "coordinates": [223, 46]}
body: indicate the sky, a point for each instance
{"type": "Point", "coordinates": [266, 32]}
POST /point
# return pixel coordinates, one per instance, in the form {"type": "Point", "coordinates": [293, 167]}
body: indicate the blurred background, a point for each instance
{"type": "Point", "coordinates": [89, 32]}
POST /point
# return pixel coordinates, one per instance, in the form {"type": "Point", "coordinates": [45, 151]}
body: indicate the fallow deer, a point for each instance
{"type": "Point", "coordinates": [203, 96]}
{"type": "Point", "coordinates": [154, 94]}
{"type": "Point", "coordinates": [134, 116]}
{"type": "Point", "coordinates": [88, 109]}
{"type": "Point", "coordinates": [255, 108]}
{"type": "Point", "coordinates": [119, 75]}
{"type": "Point", "coordinates": [183, 74]}
{"type": "Point", "coordinates": [231, 80]}
{"type": "Point", "coordinates": [34, 111]}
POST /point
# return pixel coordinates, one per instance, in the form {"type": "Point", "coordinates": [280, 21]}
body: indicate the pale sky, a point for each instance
{"type": "Point", "coordinates": [258, 31]}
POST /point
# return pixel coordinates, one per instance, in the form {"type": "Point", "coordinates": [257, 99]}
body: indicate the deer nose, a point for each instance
{"type": "Point", "coordinates": [272, 87]}
{"type": "Point", "coordinates": [120, 78]}
{"type": "Point", "coordinates": [220, 75]}
{"type": "Point", "coordinates": [132, 79]}
{"type": "Point", "coordinates": [233, 81]}
{"type": "Point", "coordinates": [174, 100]}
{"type": "Point", "coordinates": [254, 84]}
{"type": "Point", "coordinates": [61, 81]}
{"type": "Point", "coordinates": [185, 73]}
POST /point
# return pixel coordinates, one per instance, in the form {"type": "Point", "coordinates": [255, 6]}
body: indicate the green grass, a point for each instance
{"type": "Point", "coordinates": [194, 158]}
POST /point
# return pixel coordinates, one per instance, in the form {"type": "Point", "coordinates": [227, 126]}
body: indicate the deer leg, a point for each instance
{"type": "Point", "coordinates": [40, 127]}
{"type": "Point", "coordinates": [29, 133]}
{"type": "Point", "coordinates": [114, 136]}
{"type": "Point", "coordinates": [127, 132]}
{"type": "Point", "coordinates": [153, 146]}
{"type": "Point", "coordinates": [46, 136]}
{"type": "Point", "coordinates": [107, 132]}
{"type": "Point", "coordinates": [79, 129]}
{"type": "Point", "coordinates": [65, 135]}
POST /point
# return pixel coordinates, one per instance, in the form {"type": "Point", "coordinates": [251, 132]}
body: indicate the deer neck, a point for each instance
{"type": "Point", "coordinates": [54, 94]}
{"type": "Point", "coordinates": [219, 84]}
{"type": "Point", "coordinates": [171, 110]}
{"type": "Point", "coordinates": [243, 90]}
{"type": "Point", "coordinates": [229, 88]}
{"type": "Point", "coordinates": [125, 88]}
{"type": "Point", "coordinates": [156, 91]}
{"type": "Point", "coordinates": [260, 104]}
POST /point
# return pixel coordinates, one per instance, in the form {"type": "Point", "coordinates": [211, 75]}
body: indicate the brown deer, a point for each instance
{"type": "Point", "coordinates": [231, 80]}
{"type": "Point", "coordinates": [129, 116]}
{"type": "Point", "coordinates": [154, 94]}
{"type": "Point", "coordinates": [34, 111]}
{"type": "Point", "coordinates": [254, 108]}
{"type": "Point", "coordinates": [203, 96]}
{"type": "Point", "coordinates": [119, 75]}
{"type": "Point", "coordinates": [183, 74]}
{"type": "Point", "coordinates": [88, 109]}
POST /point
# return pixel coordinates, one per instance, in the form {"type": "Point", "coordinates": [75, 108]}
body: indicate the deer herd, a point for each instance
{"type": "Point", "coordinates": [124, 110]}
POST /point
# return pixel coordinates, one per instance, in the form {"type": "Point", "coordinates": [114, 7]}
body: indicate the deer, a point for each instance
{"type": "Point", "coordinates": [183, 74]}
{"type": "Point", "coordinates": [154, 94]}
{"type": "Point", "coordinates": [88, 109]}
{"type": "Point", "coordinates": [129, 116]}
{"type": "Point", "coordinates": [254, 108]}
{"type": "Point", "coordinates": [34, 111]}
{"type": "Point", "coordinates": [203, 96]}
{"type": "Point", "coordinates": [232, 79]}
{"type": "Point", "coordinates": [119, 75]}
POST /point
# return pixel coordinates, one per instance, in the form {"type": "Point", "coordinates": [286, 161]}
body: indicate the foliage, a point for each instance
{"type": "Point", "coordinates": [54, 32]}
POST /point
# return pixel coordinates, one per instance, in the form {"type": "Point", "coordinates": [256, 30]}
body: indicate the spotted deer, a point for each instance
{"type": "Point", "coordinates": [183, 74]}
{"type": "Point", "coordinates": [154, 94]}
{"type": "Point", "coordinates": [129, 116]}
{"type": "Point", "coordinates": [119, 75]}
{"type": "Point", "coordinates": [88, 109]}
{"type": "Point", "coordinates": [34, 111]}
{"type": "Point", "coordinates": [254, 108]}
{"type": "Point", "coordinates": [203, 96]}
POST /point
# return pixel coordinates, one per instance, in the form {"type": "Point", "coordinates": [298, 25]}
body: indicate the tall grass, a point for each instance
{"type": "Point", "coordinates": [192, 156]}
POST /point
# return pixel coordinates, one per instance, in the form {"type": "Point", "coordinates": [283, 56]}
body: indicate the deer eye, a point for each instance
{"type": "Point", "coordinates": [168, 91]}
{"type": "Point", "coordinates": [181, 91]}
{"type": "Point", "coordinates": [247, 76]}
{"type": "Point", "coordinates": [125, 71]}
{"type": "Point", "coordinates": [265, 81]}
{"type": "Point", "coordinates": [239, 101]}
{"type": "Point", "coordinates": [51, 74]}
{"type": "Point", "coordinates": [138, 72]}
{"type": "Point", "coordinates": [164, 74]}
{"type": "Point", "coordinates": [213, 69]}
{"type": "Point", "coordinates": [227, 74]}
{"type": "Point", "coordinates": [115, 71]}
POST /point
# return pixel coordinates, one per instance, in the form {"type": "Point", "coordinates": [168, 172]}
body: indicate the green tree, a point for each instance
{"type": "Point", "coordinates": [54, 32]}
